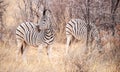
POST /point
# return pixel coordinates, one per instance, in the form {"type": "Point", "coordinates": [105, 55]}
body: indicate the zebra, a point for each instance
{"type": "Point", "coordinates": [77, 28]}
{"type": "Point", "coordinates": [27, 34]}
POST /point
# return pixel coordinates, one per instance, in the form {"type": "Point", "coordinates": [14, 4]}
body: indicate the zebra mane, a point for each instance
{"type": "Point", "coordinates": [45, 10]}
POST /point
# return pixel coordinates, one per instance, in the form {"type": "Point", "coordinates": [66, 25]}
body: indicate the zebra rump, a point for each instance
{"type": "Point", "coordinates": [77, 28]}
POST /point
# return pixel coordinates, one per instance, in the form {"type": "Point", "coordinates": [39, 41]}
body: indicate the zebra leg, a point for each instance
{"type": "Point", "coordinates": [99, 46]}
{"type": "Point", "coordinates": [69, 37]}
{"type": "Point", "coordinates": [25, 49]}
{"type": "Point", "coordinates": [40, 47]}
{"type": "Point", "coordinates": [49, 51]}
{"type": "Point", "coordinates": [19, 46]}
{"type": "Point", "coordinates": [90, 45]}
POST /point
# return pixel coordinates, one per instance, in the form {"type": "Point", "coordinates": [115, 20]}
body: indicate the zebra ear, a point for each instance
{"type": "Point", "coordinates": [41, 10]}
{"type": "Point", "coordinates": [48, 13]}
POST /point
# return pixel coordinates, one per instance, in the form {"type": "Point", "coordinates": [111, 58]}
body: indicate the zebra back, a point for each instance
{"type": "Point", "coordinates": [77, 28]}
{"type": "Point", "coordinates": [23, 28]}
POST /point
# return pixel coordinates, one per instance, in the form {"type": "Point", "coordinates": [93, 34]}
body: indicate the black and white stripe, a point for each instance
{"type": "Point", "coordinates": [28, 34]}
{"type": "Point", "coordinates": [77, 28]}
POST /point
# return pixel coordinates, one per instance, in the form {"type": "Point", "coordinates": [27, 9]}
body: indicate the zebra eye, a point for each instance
{"type": "Point", "coordinates": [44, 20]}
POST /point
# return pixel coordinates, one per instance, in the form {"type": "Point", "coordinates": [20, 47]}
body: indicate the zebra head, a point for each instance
{"type": "Point", "coordinates": [45, 21]}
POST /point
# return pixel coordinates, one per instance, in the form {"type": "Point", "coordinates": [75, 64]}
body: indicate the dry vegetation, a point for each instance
{"type": "Point", "coordinates": [104, 13]}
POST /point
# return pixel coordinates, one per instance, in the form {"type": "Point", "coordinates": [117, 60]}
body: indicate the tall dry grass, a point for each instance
{"type": "Point", "coordinates": [75, 61]}
{"type": "Point", "coordinates": [8, 61]}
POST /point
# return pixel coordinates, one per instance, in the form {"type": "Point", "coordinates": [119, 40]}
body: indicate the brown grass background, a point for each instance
{"type": "Point", "coordinates": [108, 61]}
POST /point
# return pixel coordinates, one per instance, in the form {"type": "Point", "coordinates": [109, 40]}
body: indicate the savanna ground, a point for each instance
{"type": "Point", "coordinates": [75, 61]}
{"type": "Point", "coordinates": [108, 61]}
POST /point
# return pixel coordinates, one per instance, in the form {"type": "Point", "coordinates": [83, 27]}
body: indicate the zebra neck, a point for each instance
{"type": "Point", "coordinates": [39, 37]}
{"type": "Point", "coordinates": [48, 32]}
{"type": "Point", "coordinates": [45, 36]}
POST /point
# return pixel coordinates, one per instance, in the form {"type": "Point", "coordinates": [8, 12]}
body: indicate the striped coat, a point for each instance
{"type": "Point", "coordinates": [77, 28]}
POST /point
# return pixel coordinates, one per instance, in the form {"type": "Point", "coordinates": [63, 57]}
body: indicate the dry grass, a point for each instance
{"type": "Point", "coordinates": [76, 61]}
{"type": "Point", "coordinates": [8, 61]}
